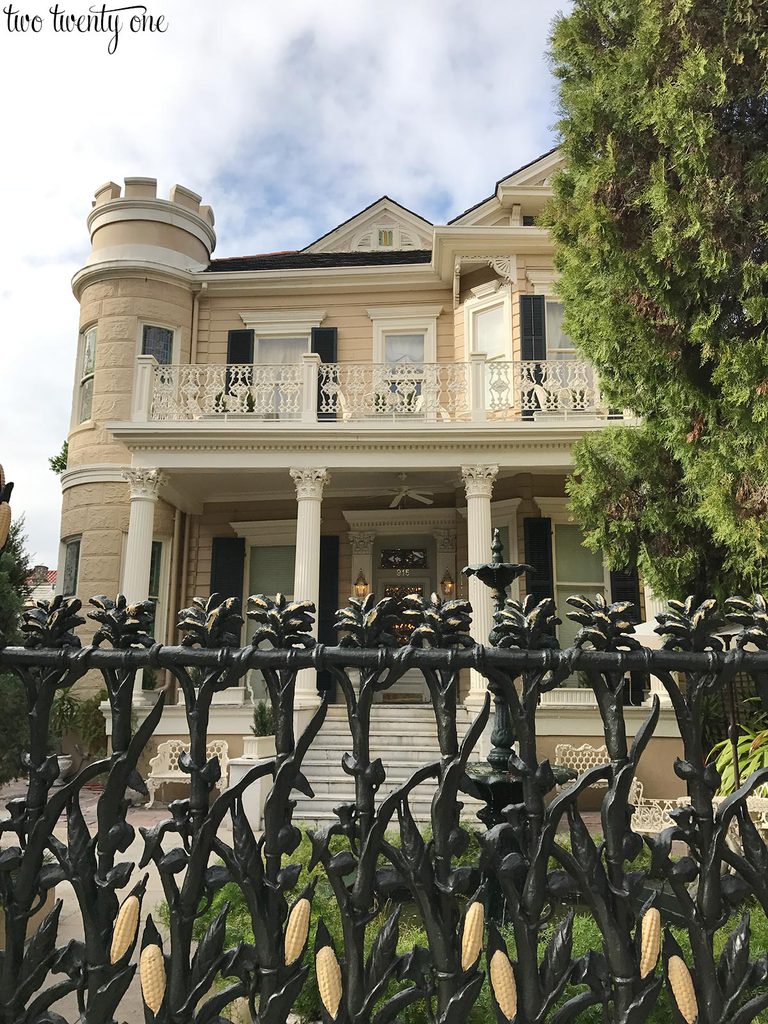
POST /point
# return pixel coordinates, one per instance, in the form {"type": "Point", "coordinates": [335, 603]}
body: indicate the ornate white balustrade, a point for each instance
{"type": "Point", "coordinates": [475, 391]}
{"type": "Point", "coordinates": [536, 388]}
{"type": "Point", "coordinates": [356, 391]}
{"type": "Point", "coordinates": [189, 392]}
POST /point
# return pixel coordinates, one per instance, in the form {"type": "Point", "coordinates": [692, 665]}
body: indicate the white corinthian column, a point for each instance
{"type": "Point", "coordinates": [306, 579]}
{"type": "Point", "coordinates": [144, 486]}
{"type": "Point", "coordinates": [478, 483]}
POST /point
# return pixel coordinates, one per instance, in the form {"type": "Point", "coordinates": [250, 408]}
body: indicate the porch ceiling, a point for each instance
{"type": "Point", "coordinates": [192, 488]}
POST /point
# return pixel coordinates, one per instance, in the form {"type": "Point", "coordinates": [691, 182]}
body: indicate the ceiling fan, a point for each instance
{"type": "Point", "coordinates": [403, 492]}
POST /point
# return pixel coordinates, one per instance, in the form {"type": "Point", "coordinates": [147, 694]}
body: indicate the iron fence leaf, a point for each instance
{"type": "Point", "coordinates": [640, 1008]}
{"type": "Point", "coordinates": [459, 1005]}
{"type": "Point", "coordinates": [380, 961]}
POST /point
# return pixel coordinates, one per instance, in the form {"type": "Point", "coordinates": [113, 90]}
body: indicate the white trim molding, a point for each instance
{"type": "Point", "coordinates": [555, 508]}
{"type": "Point", "coordinates": [544, 281]}
{"type": "Point", "coordinates": [98, 473]}
{"type": "Point", "coordinates": [405, 320]}
{"type": "Point", "coordinates": [263, 533]}
{"type": "Point", "coordinates": [288, 323]}
{"type": "Point", "coordinates": [390, 522]}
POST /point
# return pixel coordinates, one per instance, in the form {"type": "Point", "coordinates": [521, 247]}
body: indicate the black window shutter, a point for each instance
{"type": "Point", "coordinates": [325, 343]}
{"type": "Point", "coordinates": [227, 567]}
{"type": "Point", "coordinates": [533, 327]}
{"type": "Point", "coordinates": [240, 347]}
{"type": "Point", "coordinates": [239, 350]}
{"type": "Point", "coordinates": [329, 598]}
{"type": "Point", "coordinates": [538, 553]}
{"type": "Point", "coordinates": [625, 586]}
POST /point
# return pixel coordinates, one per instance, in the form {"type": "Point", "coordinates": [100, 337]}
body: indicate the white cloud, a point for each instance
{"type": "Point", "coordinates": [287, 117]}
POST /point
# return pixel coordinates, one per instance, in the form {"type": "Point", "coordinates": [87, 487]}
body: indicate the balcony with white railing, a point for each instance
{"type": "Point", "coordinates": [476, 391]}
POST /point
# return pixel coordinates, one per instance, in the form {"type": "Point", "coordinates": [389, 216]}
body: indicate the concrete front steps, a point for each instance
{"type": "Point", "coordinates": [404, 736]}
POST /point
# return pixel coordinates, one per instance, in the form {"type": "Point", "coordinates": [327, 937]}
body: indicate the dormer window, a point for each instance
{"type": "Point", "coordinates": [386, 238]}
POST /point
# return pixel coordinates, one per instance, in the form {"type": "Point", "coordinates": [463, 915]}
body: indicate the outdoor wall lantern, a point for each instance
{"type": "Point", "coordinates": [361, 585]}
{"type": "Point", "coordinates": [447, 585]}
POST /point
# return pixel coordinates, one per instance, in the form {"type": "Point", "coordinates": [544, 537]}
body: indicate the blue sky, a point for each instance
{"type": "Point", "coordinates": [287, 118]}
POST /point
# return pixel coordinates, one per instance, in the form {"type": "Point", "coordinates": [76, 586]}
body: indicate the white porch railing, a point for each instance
{"type": "Point", "coordinates": [310, 390]}
{"type": "Point", "coordinates": [364, 391]}
{"type": "Point", "coordinates": [190, 392]}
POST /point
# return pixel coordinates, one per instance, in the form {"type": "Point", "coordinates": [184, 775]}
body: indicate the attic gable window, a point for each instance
{"type": "Point", "coordinates": [386, 237]}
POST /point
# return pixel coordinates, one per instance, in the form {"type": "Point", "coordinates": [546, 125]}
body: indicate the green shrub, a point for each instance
{"type": "Point", "coordinates": [263, 719]}
{"type": "Point", "coordinates": [90, 724]}
{"type": "Point", "coordinates": [14, 728]}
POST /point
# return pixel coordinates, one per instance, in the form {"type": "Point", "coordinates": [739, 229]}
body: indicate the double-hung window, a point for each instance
{"type": "Point", "coordinates": [87, 367]}
{"type": "Point", "coordinates": [404, 373]}
{"type": "Point", "coordinates": [404, 351]}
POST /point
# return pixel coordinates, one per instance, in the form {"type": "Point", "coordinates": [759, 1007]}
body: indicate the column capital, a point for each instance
{"type": "Point", "coordinates": [144, 483]}
{"type": "Point", "coordinates": [361, 541]}
{"type": "Point", "coordinates": [310, 482]}
{"type": "Point", "coordinates": [446, 540]}
{"type": "Point", "coordinates": [479, 480]}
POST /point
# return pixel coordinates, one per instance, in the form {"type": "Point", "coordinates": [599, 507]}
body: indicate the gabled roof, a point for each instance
{"type": "Point", "coordinates": [303, 260]}
{"type": "Point", "coordinates": [384, 206]}
{"type": "Point", "coordinates": [517, 177]}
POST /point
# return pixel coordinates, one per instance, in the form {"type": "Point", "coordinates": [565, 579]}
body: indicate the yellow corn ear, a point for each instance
{"type": "Point", "coordinates": [650, 941]}
{"type": "Point", "coordinates": [681, 983]}
{"type": "Point", "coordinates": [239, 1012]}
{"type": "Point", "coordinates": [5, 522]}
{"type": "Point", "coordinates": [328, 979]}
{"type": "Point", "coordinates": [472, 940]}
{"type": "Point", "coordinates": [503, 984]}
{"type": "Point", "coordinates": [152, 975]}
{"type": "Point", "coordinates": [124, 931]}
{"type": "Point", "coordinates": [296, 930]}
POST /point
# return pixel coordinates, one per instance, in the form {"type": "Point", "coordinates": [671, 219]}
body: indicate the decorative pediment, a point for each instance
{"type": "Point", "coordinates": [383, 226]}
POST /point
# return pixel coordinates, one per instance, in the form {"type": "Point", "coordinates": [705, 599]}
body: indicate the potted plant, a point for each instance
{"type": "Point", "coordinates": [64, 716]}
{"type": "Point", "coordinates": [261, 742]}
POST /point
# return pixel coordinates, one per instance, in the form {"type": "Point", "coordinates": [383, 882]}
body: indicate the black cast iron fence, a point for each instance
{"type": "Point", "coordinates": [537, 853]}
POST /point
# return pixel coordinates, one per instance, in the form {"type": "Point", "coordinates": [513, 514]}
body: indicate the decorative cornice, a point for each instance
{"type": "Point", "coordinates": [404, 311]}
{"type": "Point", "coordinates": [508, 438]}
{"type": "Point", "coordinates": [394, 521]}
{"type": "Point", "coordinates": [310, 482]}
{"type": "Point", "coordinates": [479, 480]}
{"type": "Point", "coordinates": [144, 483]}
{"type": "Point", "coordinates": [361, 541]}
{"type": "Point", "coordinates": [554, 508]}
{"type": "Point", "coordinates": [282, 321]}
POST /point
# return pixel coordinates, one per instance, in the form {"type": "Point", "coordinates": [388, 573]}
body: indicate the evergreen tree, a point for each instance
{"type": "Point", "coordinates": [661, 224]}
{"type": "Point", "coordinates": [14, 590]}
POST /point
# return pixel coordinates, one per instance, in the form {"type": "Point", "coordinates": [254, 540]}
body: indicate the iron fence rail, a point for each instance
{"type": "Point", "coordinates": [536, 852]}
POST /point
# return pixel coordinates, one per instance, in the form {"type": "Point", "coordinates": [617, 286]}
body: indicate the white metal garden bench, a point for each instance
{"type": "Point", "coordinates": [164, 766]}
{"type": "Point", "coordinates": [652, 816]}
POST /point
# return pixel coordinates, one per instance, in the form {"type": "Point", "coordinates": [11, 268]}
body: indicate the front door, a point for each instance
{"type": "Point", "coordinates": [411, 688]}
